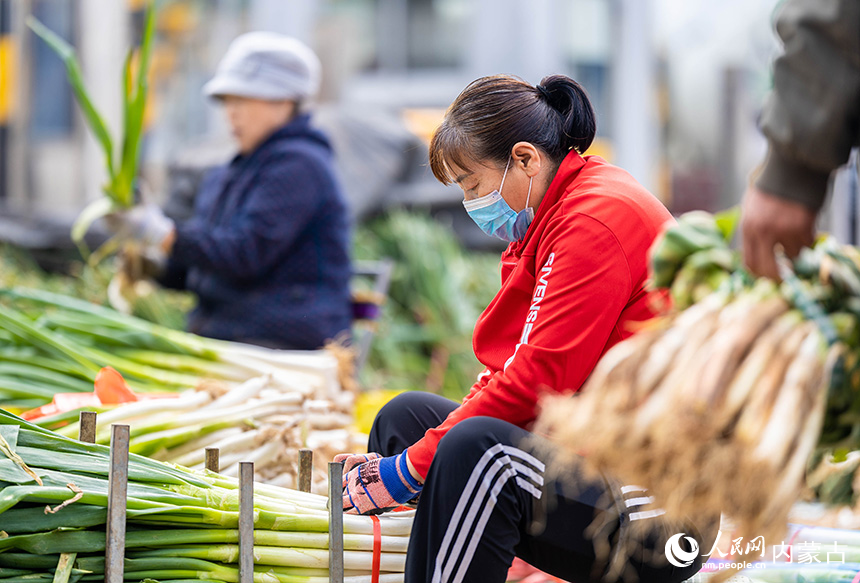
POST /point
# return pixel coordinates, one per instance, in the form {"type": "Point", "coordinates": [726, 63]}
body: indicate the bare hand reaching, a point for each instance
{"type": "Point", "coordinates": [767, 220]}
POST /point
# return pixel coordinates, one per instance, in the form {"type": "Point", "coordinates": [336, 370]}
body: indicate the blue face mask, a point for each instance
{"type": "Point", "coordinates": [496, 217]}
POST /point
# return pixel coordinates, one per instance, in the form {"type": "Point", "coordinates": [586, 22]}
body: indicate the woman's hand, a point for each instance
{"type": "Point", "coordinates": [377, 484]}
{"type": "Point", "coordinates": [351, 460]}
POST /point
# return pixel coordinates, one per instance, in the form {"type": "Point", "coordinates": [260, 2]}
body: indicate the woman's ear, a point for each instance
{"type": "Point", "coordinates": [528, 157]}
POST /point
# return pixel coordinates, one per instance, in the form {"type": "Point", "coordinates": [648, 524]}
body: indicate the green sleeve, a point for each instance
{"type": "Point", "coordinates": [812, 117]}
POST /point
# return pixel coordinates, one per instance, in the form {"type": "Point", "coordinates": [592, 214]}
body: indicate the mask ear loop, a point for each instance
{"type": "Point", "coordinates": [529, 193]}
{"type": "Point", "coordinates": [502, 185]}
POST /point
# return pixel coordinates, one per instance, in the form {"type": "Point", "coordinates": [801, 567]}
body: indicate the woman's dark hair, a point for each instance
{"type": "Point", "coordinates": [494, 113]}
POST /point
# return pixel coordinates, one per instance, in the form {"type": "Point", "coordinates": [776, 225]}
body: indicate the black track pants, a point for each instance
{"type": "Point", "coordinates": [485, 501]}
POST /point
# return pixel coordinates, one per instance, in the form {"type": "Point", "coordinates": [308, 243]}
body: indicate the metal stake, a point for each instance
{"type": "Point", "coordinates": [306, 468]}
{"type": "Point", "coordinates": [117, 492]}
{"type": "Point", "coordinates": [246, 522]}
{"type": "Point", "coordinates": [335, 522]}
{"type": "Point", "coordinates": [213, 463]}
{"type": "Point", "coordinates": [87, 426]}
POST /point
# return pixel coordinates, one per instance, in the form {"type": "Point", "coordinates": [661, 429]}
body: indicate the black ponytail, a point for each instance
{"type": "Point", "coordinates": [494, 113]}
{"type": "Point", "coordinates": [567, 97]}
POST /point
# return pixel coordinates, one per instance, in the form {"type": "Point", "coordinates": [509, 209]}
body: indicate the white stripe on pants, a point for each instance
{"type": "Point", "coordinates": [489, 476]}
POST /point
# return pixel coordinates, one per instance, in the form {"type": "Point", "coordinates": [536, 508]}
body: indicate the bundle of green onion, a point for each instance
{"type": "Point", "coordinates": [52, 343]}
{"type": "Point", "coordinates": [718, 406]}
{"type": "Point", "coordinates": [693, 259]}
{"type": "Point", "coordinates": [253, 421]}
{"type": "Point", "coordinates": [167, 307]}
{"type": "Point", "coordinates": [121, 163]}
{"type": "Point", "coordinates": [182, 525]}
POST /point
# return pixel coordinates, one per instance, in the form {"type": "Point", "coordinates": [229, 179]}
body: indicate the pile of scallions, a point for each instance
{"type": "Point", "coordinates": [253, 421]}
{"type": "Point", "coordinates": [52, 343]}
{"type": "Point", "coordinates": [254, 404]}
{"type": "Point", "coordinates": [182, 525]}
{"type": "Point", "coordinates": [719, 406]}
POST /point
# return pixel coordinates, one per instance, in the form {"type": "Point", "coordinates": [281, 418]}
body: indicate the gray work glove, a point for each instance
{"type": "Point", "coordinates": [145, 224]}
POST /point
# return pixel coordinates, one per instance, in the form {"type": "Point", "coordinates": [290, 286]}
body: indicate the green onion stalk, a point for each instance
{"type": "Point", "coordinates": [121, 156]}
{"type": "Point", "coordinates": [249, 422]}
{"type": "Point", "coordinates": [181, 524]}
{"type": "Point", "coordinates": [52, 343]}
{"type": "Point", "coordinates": [121, 162]}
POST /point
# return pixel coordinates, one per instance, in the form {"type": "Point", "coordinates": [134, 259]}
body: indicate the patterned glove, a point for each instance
{"type": "Point", "coordinates": [377, 485]}
{"type": "Point", "coordinates": [350, 460]}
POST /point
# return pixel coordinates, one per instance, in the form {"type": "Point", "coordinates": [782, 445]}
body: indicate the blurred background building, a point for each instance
{"type": "Point", "coordinates": [677, 85]}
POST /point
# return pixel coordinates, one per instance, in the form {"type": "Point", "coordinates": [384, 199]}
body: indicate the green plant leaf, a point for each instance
{"type": "Point", "coordinates": [73, 70]}
{"type": "Point", "coordinates": [727, 221]}
{"type": "Point", "coordinates": [9, 452]}
{"type": "Point", "coordinates": [134, 100]}
{"type": "Point", "coordinates": [10, 434]}
{"type": "Point", "coordinates": [64, 567]}
{"type": "Point", "coordinates": [120, 188]}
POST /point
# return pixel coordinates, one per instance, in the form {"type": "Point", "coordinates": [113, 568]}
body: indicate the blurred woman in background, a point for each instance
{"type": "Point", "coordinates": [267, 249]}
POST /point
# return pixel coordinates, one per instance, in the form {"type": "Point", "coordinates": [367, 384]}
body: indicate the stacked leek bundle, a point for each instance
{"type": "Point", "coordinates": [166, 307]}
{"type": "Point", "coordinates": [181, 524]}
{"type": "Point", "coordinates": [51, 343]}
{"type": "Point", "coordinates": [252, 403]}
{"type": "Point", "coordinates": [694, 259]}
{"type": "Point", "coordinates": [718, 407]}
{"type": "Point", "coordinates": [254, 422]}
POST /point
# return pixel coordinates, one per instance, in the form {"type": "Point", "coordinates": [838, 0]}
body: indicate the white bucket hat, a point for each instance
{"type": "Point", "coordinates": [266, 65]}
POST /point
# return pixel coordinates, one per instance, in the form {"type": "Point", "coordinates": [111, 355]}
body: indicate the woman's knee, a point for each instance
{"type": "Point", "coordinates": [471, 438]}
{"type": "Point", "coordinates": [404, 420]}
{"type": "Point", "coordinates": [409, 401]}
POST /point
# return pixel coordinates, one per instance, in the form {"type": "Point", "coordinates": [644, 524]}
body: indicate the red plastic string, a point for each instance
{"type": "Point", "coordinates": [791, 544]}
{"type": "Point", "coordinates": [377, 549]}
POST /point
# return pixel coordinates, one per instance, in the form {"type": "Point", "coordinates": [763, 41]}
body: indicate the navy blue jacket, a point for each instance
{"type": "Point", "coordinates": [266, 251]}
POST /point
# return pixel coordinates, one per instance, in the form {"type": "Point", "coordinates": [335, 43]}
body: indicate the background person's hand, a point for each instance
{"type": "Point", "coordinates": [377, 485]}
{"type": "Point", "coordinates": [767, 220]}
{"type": "Point", "coordinates": [145, 223]}
{"type": "Point", "coordinates": [142, 263]}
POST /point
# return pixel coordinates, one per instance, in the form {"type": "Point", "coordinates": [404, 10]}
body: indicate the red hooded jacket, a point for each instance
{"type": "Point", "coordinates": [570, 289]}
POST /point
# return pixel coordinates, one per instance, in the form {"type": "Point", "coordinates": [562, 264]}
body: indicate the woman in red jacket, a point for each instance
{"type": "Point", "coordinates": [573, 285]}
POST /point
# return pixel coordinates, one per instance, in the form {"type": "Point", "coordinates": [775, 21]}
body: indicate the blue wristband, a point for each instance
{"type": "Point", "coordinates": [404, 471]}
{"type": "Point", "coordinates": [401, 486]}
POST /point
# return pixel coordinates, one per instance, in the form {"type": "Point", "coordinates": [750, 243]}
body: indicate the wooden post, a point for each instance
{"type": "Point", "coordinates": [213, 461]}
{"type": "Point", "coordinates": [306, 469]}
{"type": "Point", "coordinates": [87, 426]}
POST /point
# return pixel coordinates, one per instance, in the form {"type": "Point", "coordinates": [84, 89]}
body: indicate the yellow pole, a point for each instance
{"type": "Point", "coordinates": [7, 90]}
